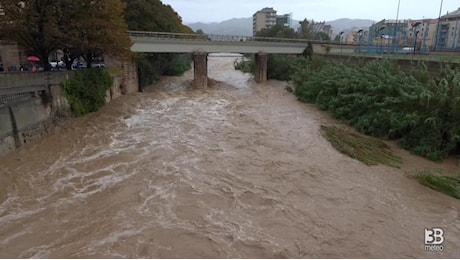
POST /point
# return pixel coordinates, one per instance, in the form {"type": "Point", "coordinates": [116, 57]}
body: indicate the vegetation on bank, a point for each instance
{"type": "Point", "coordinates": [432, 178]}
{"type": "Point", "coordinates": [370, 151]}
{"type": "Point", "coordinates": [86, 92]}
{"type": "Point", "coordinates": [151, 66]}
{"type": "Point", "coordinates": [419, 111]}
{"type": "Point", "coordinates": [155, 16]}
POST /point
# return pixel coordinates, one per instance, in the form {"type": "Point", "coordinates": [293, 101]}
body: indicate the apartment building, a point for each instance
{"type": "Point", "coordinates": [264, 18]}
{"type": "Point", "coordinates": [448, 36]}
{"type": "Point", "coordinates": [267, 18]}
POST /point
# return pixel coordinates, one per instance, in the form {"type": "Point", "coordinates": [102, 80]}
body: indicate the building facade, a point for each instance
{"type": "Point", "coordinates": [284, 20]}
{"type": "Point", "coordinates": [322, 27]}
{"type": "Point", "coordinates": [448, 36]}
{"type": "Point", "coordinates": [267, 18]}
{"type": "Point", "coordinates": [264, 18]}
{"type": "Point", "coordinates": [419, 36]}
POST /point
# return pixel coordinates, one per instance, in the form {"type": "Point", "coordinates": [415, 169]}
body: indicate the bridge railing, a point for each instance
{"type": "Point", "coordinates": [215, 37]}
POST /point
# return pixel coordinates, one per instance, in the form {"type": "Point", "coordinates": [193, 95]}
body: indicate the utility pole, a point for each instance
{"type": "Point", "coordinates": [437, 28]}
{"type": "Point", "coordinates": [396, 28]}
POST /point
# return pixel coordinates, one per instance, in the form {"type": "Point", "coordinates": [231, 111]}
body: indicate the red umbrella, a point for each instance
{"type": "Point", "coordinates": [33, 58]}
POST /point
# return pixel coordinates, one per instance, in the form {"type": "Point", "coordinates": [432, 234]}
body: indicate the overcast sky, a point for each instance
{"type": "Point", "coordinates": [319, 10]}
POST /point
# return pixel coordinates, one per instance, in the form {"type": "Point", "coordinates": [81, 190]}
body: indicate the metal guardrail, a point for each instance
{"type": "Point", "coordinates": [215, 37]}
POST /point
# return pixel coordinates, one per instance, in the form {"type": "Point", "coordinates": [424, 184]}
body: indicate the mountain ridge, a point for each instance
{"type": "Point", "coordinates": [243, 26]}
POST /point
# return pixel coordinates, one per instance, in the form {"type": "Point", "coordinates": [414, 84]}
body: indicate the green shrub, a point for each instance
{"type": "Point", "coordinates": [87, 90]}
{"type": "Point", "coordinates": [421, 112]}
{"type": "Point", "coordinates": [246, 64]}
{"type": "Point", "coordinates": [151, 66]}
{"type": "Point", "coordinates": [177, 65]}
{"type": "Point", "coordinates": [280, 67]}
{"type": "Point", "coordinates": [449, 185]}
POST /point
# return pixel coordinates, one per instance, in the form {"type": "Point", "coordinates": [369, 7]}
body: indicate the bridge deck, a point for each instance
{"type": "Point", "coordinates": [189, 43]}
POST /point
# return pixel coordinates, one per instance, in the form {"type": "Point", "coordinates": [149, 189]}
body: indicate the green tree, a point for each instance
{"type": "Point", "coordinates": [308, 52]}
{"type": "Point", "coordinates": [95, 27]}
{"type": "Point", "coordinates": [277, 31]}
{"type": "Point", "coordinates": [153, 15]}
{"type": "Point", "coordinates": [33, 24]}
{"type": "Point", "coordinates": [46, 25]}
{"type": "Point", "coordinates": [306, 30]}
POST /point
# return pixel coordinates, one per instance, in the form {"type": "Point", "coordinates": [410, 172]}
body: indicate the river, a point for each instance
{"type": "Point", "coordinates": [238, 170]}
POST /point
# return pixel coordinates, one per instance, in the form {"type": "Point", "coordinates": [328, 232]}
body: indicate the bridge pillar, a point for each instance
{"type": "Point", "coordinates": [260, 75]}
{"type": "Point", "coordinates": [200, 68]}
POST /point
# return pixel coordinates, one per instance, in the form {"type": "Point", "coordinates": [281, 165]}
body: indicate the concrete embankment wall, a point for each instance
{"type": "Point", "coordinates": [23, 122]}
{"type": "Point", "coordinates": [32, 103]}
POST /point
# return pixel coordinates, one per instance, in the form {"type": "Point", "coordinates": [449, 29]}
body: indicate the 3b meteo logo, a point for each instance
{"type": "Point", "coordinates": [434, 238]}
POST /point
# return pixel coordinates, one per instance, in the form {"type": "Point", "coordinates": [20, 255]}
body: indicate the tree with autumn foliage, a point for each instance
{"type": "Point", "coordinates": [95, 27]}
{"type": "Point", "coordinates": [153, 15]}
{"type": "Point", "coordinates": [33, 24]}
{"type": "Point", "coordinates": [84, 26]}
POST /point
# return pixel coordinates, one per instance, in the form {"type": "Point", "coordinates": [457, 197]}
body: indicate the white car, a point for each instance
{"type": "Point", "coordinates": [57, 65]}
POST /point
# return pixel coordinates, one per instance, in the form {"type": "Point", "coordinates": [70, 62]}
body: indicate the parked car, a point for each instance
{"type": "Point", "coordinates": [98, 65]}
{"type": "Point", "coordinates": [57, 65]}
{"type": "Point", "coordinates": [78, 64]}
{"type": "Point", "coordinates": [15, 68]}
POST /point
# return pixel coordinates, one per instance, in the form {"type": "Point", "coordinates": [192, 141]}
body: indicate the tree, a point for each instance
{"type": "Point", "coordinates": [95, 27]}
{"type": "Point", "coordinates": [308, 52]}
{"type": "Point", "coordinates": [84, 25]}
{"type": "Point", "coordinates": [33, 24]}
{"type": "Point", "coordinates": [306, 30]}
{"type": "Point", "coordinates": [153, 15]}
{"type": "Point", "coordinates": [277, 31]}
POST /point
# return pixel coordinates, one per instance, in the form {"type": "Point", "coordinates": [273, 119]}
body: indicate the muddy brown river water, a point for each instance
{"type": "Point", "coordinates": [238, 170]}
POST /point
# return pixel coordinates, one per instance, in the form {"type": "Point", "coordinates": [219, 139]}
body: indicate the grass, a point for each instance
{"type": "Point", "coordinates": [449, 185]}
{"type": "Point", "coordinates": [370, 151]}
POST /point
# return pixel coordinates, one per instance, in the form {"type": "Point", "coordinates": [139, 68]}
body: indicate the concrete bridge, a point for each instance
{"type": "Point", "coordinates": [200, 45]}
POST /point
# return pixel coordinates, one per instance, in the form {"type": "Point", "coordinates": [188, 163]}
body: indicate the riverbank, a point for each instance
{"type": "Point", "coordinates": [32, 104]}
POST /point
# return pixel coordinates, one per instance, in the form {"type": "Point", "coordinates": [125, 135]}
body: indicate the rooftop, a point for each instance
{"type": "Point", "coordinates": [267, 10]}
{"type": "Point", "coordinates": [454, 14]}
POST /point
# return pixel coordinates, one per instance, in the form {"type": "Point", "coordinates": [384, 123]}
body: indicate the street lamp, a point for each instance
{"type": "Point", "coordinates": [414, 29]}
{"type": "Point", "coordinates": [360, 33]}
{"type": "Point", "coordinates": [340, 40]}
{"type": "Point", "coordinates": [381, 37]}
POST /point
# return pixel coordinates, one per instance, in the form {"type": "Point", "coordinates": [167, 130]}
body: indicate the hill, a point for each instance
{"type": "Point", "coordinates": [235, 26]}
{"type": "Point", "coordinates": [243, 26]}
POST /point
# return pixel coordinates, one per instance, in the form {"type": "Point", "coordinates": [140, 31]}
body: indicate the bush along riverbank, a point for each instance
{"type": "Point", "coordinates": [420, 112]}
{"type": "Point", "coordinates": [418, 109]}
{"type": "Point", "coordinates": [86, 91]}
{"type": "Point", "coordinates": [153, 65]}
